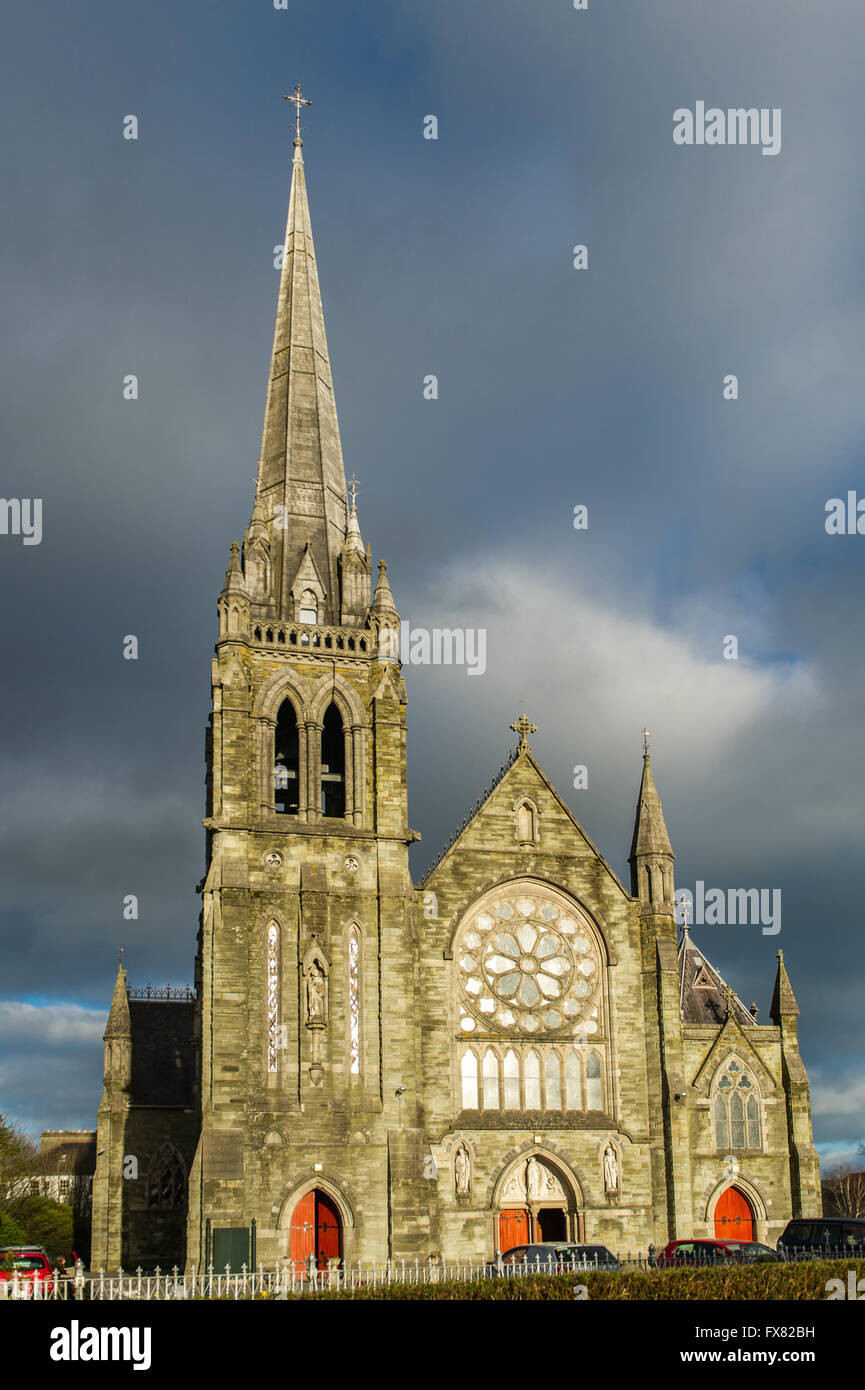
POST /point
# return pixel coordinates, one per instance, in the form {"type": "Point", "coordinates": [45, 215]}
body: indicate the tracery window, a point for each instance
{"type": "Point", "coordinates": [736, 1109]}
{"type": "Point", "coordinates": [166, 1178]}
{"type": "Point", "coordinates": [528, 965]}
{"type": "Point", "coordinates": [354, 1002]}
{"type": "Point", "coordinates": [273, 997]}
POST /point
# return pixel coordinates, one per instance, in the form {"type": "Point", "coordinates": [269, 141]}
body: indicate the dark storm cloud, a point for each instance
{"type": "Point", "coordinates": [557, 387]}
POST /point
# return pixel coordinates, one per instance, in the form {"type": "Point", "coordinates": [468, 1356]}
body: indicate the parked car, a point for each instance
{"type": "Point", "coordinates": [554, 1257]}
{"type": "Point", "coordinates": [678, 1254]}
{"type": "Point", "coordinates": [825, 1236]}
{"type": "Point", "coordinates": [26, 1263]}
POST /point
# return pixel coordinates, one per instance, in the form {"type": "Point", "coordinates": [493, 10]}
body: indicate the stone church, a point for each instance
{"type": "Point", "coordinates": [518, 1049]}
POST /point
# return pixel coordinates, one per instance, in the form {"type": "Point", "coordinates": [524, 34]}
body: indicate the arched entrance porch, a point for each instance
{"type": "Point", "coordinates": [536, 1200]}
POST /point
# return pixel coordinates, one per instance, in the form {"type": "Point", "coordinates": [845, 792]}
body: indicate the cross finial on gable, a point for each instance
{"type": "Point", "coordinates": [522, 727]}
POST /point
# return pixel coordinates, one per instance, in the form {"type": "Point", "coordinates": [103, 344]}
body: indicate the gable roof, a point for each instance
{"type": "Point", "coordinates": [702, 989]}
{"type": "Point", "coordinates": [520, 757]}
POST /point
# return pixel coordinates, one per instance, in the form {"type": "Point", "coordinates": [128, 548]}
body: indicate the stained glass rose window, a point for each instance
{"type": "Point", "coordinates": [528, 963]}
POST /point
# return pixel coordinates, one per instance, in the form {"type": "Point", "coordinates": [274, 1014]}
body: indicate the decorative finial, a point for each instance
{"type": "Point", "coordinates": [354, 488]}
{"type": "Point", "coordinates": [728, 996]}
{"type": "Point", "coordinates": [299, 100]}
{"type": "Point", "coordinates": [522, 727]}
{"type": "Point", "coordinates": [647, 734]}
{"type": "Point", "coordinates": [781, 956]}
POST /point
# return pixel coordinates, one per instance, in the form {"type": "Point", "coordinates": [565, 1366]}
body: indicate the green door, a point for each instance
{"type": "Point", "coordinates": [230, 1247]}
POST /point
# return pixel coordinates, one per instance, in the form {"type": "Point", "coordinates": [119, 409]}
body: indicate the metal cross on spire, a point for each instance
{"type": "Point", "coordinates": [522, 727]}
{"type": "Point", "coordinates": [354, 489]}
{"type": "Point", "coordinates": [299, 100]}
{"type": "Point", "coordinates": [647, 734]}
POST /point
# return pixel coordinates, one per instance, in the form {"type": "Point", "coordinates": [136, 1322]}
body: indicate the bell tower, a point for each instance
{"type": "Point", "coordinates": [306, 955]}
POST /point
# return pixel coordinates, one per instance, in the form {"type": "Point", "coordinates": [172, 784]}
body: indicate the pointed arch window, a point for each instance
{"type": "Point", "coordinates": [273, 997]}
{"type": "Point", "coordinates": [286, 760]}
{"type": "Point", "coordinates": [736, 1109]}
{"type": "Point", "coordinates": [469, 1078]}
{"type": "Point", "coordinates": [533, 1081]}
{"type": "Point", "coordinates": [553, 1077]}
{"type": "Point", "coordinates": [491, 1080]}
{"type": "Point", "coordinates": [573, 1099]}
{"type": "Point", "coordinates": [594, 1093]}
{"type": "Point", "coordinates": [354, 1002]}
{"type": "Point", "coordinates": [308, 607]}
{"type": "Point", "coordinates": [512, 1080]}
{"type": "Point", "coordinates": [166, 1178]}
{"type": "Point", "coordinates": [333, 764]}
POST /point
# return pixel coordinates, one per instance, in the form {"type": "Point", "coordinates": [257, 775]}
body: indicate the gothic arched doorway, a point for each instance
{"type": "Point", "coordinates": [316, 1229]}
{"type": "Point", "coordinates": [734, 1219]}
{"type": "Point", "coordinates": [536, 1202]}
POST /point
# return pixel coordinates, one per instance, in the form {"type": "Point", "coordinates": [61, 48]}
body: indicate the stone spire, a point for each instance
{"type": "Point", "coordinates": [651, 858]}
{"type": "Point", "coordinates": [301, 488]}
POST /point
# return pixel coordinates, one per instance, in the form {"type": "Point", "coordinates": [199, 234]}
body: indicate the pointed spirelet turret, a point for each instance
{"type": "Point", "coordinates": [234, 598]}
{"type": "Point", "coordinates": [354, 567]}
{"type": "Point", "coordinates": [651, 858]}
{"type": "Point", "coordinates": [118, 1036]}
{"type": "Point", "coordinates": [301, 480]}
{"type": "Point", "coordinates": [784, 1009]}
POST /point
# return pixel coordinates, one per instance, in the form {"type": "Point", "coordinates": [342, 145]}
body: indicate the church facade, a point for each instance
{"type": "Point", "coordinates": [519, 1048]}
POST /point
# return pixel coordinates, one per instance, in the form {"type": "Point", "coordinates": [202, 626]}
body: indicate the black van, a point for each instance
{"type": "Point", "coordinates": [825, 1236]}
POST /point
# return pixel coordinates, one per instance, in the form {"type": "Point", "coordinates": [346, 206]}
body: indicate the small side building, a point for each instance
{"type": "Point", "coordinates": [147, 1129]}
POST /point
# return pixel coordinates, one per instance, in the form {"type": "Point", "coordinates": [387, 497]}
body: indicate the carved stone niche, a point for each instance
{"type": "Point", "coordinates": [315, 969]}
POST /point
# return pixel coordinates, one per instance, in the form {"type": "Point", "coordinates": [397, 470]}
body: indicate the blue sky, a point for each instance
{"type": "Point", "coordinates": [557, 387]}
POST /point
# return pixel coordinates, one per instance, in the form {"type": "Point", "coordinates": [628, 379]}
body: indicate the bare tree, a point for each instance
{"type": "Point", "coordinates": [844, 1187]}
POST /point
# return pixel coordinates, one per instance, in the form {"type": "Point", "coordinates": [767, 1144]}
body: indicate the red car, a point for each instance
{"type": "Point", "coordinates": [680, 1254]}
{"type": "Point", "coordinates": [28, 1265]}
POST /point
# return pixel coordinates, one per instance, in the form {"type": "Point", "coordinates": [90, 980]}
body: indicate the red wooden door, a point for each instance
{"type": "Point", "coordinates": [328, 1230]}
{"type": "Point", "coordinates": [315, 1230]}
{"type": "Point", "coordinates": [303, 1231]}
{"type": "Point", "coordinates": [513, 1229]}
{"type": "Point", "coordinates": [734, 1219]}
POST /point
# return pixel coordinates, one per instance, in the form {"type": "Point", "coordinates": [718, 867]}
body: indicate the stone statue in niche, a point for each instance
{"type": "Point", "coordinates": [462, 1171]}
{"type": "Point", "coordinates": [316, 1008]}
{"type": "Point", "coordinates": [611, 1171]}
{"type": "Point", "coordinates": [534, 1178]}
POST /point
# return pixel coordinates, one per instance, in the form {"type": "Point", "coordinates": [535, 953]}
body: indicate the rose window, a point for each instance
{"type": "Point", "coordinates": [527, 963]}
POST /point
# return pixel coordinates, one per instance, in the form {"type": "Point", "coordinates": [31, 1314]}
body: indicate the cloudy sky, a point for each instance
{"type": "Point", "coordinates": [557, 387]}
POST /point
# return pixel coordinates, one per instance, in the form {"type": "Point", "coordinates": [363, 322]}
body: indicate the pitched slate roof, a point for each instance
{"type": "Point", "coordinates": [702, 989]}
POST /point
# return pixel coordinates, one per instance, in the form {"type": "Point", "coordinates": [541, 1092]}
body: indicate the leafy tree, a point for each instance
{"type": "Point", "coordinates": [45, 1223]}
{"type": "Point", "coordinates": [10, 1231]}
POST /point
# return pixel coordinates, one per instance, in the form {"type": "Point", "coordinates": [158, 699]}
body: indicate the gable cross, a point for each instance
{"type": "Point", "coordinates": [522, 727]}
